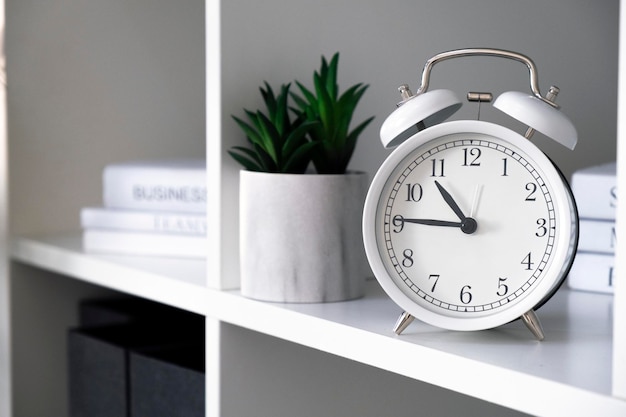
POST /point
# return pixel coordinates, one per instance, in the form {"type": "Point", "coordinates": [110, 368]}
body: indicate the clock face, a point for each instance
{"type": "Point", "coordinates": [471, 226]}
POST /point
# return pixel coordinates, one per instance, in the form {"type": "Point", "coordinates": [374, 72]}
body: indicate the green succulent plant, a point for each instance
{"type": "Point", "coordinates": [278, 143]}
{"type": "Point", "coordinates": [333, 112]}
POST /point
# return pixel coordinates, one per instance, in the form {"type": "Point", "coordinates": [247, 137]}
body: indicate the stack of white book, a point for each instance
{"type": "Point", "coordinates": [595, 191]}
{"type": "Point", "coordinates": [150, 208]}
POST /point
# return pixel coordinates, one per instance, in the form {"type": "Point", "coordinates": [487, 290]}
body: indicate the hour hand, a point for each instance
{"type": "Point", "coordinates": [448, 198]}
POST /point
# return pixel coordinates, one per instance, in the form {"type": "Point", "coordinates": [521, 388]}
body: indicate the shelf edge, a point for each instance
{"type": "Point", "coordinates": [99, 271]}
{"type": "Point", "coordinates": [517, 391]}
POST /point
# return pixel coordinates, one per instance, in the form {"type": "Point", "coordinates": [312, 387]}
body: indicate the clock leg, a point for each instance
{"type": "Point", "coordinates": [531, 321]}
{"type": "Point", "coordinates": [403, 322]}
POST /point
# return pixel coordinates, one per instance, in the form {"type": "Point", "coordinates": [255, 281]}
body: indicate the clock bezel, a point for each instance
{"type": "Point", "coordinates": [560, 262]}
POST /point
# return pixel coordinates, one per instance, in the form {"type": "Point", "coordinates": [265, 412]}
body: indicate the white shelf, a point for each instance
{"type": "Point", "coordinates": [485, 365]}
{"type": "Point", "coordinates": [176, 282]}
{"type": "Point", "coordinates": [568, 374]}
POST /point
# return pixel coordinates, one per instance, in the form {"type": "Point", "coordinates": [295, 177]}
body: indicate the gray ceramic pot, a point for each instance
{"type": "Point", "coordinates": [300, 236]}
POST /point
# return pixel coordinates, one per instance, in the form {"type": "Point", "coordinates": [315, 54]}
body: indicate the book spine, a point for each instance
{"type": "Point", "coordinates": [146, 244]}
{"type": "Point", "coordinates": [597, 236]}
{"type": "Point", "coordinates": [592, 272]}
{"type": "Point", "coordinates": [153, 188]}
{"type": "Point", "coordinates": [143, 221]}
{"type": "Point", "coordinates": [596, 195]}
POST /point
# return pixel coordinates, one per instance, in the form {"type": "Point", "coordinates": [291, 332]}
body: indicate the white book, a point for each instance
{"type": "Point", "coordinates": [166, 185]}
{"type": "Point", "coordinates": [592, 272]}
{"type": "Point", "coordinates": [143, 221]}
{"type": "Point", "coordinates": [597, 236]}
{"type": "Point", "coordinates": [148, 244]}
{"type": "Point", "coordinates": [595, 191]}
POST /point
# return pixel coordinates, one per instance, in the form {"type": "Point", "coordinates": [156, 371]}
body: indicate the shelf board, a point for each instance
{"type": "Point", "coordinates": [568, 374]}
{"type": "Point", "coordinates": [177, 282]}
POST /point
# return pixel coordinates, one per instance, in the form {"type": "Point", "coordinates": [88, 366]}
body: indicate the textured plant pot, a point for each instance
{"type": "Point", "coordinates": [300, 237]}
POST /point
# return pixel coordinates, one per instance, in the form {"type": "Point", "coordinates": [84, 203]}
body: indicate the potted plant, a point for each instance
{"type": "Point", "coordinates": [333, 114]}
{"type": "Point", "coordinates": [277, 144]}
{"type": "Point", "coordinates": [300, 209]}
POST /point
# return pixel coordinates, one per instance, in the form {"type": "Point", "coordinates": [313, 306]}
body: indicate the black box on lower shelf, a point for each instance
{"type": "Point", "coordinates": [97, 376]}
{"type": "Point", "coordinates": [167, 382]}
{"type": "Point", "coordinates": [128, 309]}
{"type": "Point", "coordinates": [98, 361]}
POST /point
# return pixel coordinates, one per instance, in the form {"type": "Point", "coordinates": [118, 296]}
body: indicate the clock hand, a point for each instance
{"type": "Point", "coordinates": [468, 224]}
{"type": "Point", "coordinates": [431, 222]}
{"type": "Point", "coordinates": [477, 193]}
{"type": "Point", "coordinates": [448, 198]}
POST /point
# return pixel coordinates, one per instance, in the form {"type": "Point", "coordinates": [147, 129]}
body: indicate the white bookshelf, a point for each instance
{"type": "Point", "coordinates": [483, 365]}
{"type": "Point", "coordinates": [255, 349]}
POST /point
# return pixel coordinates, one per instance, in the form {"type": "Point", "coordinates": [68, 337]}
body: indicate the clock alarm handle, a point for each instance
{"type": "Point", "coordinates": [458, 53]}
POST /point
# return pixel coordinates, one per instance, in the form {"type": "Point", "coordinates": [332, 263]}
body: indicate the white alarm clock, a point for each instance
{"type": "Point", "coordinates": [467, 224]}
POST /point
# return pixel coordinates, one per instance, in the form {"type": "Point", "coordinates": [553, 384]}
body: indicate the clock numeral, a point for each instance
{"type": "Point", "coordinates": [407, 262]}
{"type": "Point", "coordinates": [528, 262]}
{"type": "Point", "coordinates": [436, 278]}
{"type": "Point", "coordinates": [414, 192]}
{"type": "Point", "coordinates": [437, 168]}
{"type": "Point", "coordinates": [466, 295]}
{"type": "Point", "coordinates": [398, 222]}
{"type": "Point", "coordinates": [504, 167]}
{"type": "Point", "coordinates": [531, 187]}
{"type": "Point", "coordinates": [503, 289]}
{"type": "Point", "coordinates": [469, 154]}
{"type": "Point", "coordinates": [542, 230]}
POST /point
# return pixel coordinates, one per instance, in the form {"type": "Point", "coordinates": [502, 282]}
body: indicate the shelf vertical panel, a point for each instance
{"type": "Point", "coordinates": [214, 212]}
{"type": "Point", "coordinates": [222, 271]}
{"type": "Point", "coordinates": [619, 307]}
{"type": "Point", "coordinates": [5, 356]}
{"type": "Point", "coordinates": [213, 360]}
{"type": "Point", "coordinates": [213, 133]}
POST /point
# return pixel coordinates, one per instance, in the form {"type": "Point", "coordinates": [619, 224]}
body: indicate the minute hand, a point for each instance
{"type": "Point", "coordinates": [448, 198]}
{"type": "Point", "coordinates": [431, 222]}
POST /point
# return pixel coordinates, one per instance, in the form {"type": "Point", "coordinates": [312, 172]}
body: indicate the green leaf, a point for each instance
{"type": "Point", "coordinates": [266, 161]}
{"type": "Point", "coordinates": [297, 138]}
{"type": "Point", "coordinates": [300, 102]}
{"type": "Point", "coordinates": [351, 140]}
{"type": "Point", "coordinates": [331, 77]}
{"type": "Point", "coordinates": [249, 131]}
{"type": "Point", "coordinates": [299, 160]}
{"type": "Point", "coordinates": [269, 136]}
{"type": "Point", "coordinates": [324, 106]}
{"type": "Point", "coordinates": [308, 95]}
{"type": "Point", "coordinates": [246, 162]}
{"type": "Point", "coordinates": [346, 106]}
{"type": "Point", "coordinates": [351, 97]}
{"type": "Point", "coordinates": [359, 129]}
{"type": "Point", "coordinates": [281, 118]}
{"type": "Point", "coordinates": [269, 99]}
{"type": "Point", "coordinates": [249, 153]}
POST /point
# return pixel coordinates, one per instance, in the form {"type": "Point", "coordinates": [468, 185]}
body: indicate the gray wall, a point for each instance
{"type": "Point", "coordinates": [93, 82]}
{"type": "Point", "coordinates": [385, 44]}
